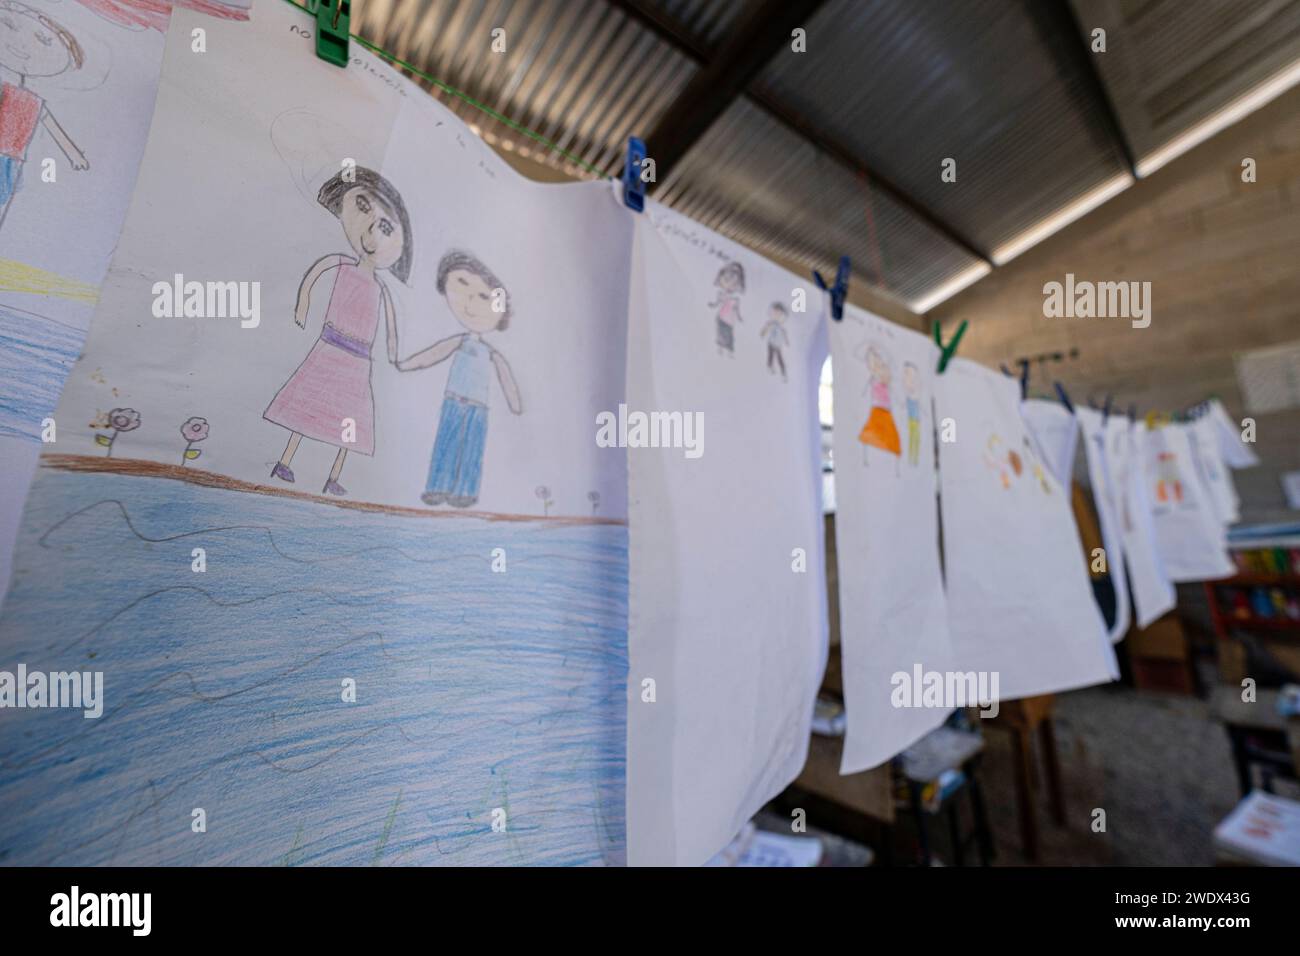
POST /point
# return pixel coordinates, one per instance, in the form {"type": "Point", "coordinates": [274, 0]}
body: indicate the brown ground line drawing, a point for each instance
{"type": "Point", "coordinates": [157, 469]}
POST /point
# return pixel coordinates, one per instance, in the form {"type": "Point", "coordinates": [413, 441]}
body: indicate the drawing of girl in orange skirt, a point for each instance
{"type": "Point", "coordinates": [880, 430]}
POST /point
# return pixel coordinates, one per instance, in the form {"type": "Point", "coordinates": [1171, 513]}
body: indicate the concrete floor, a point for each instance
{"type": "Point", "coordinates": [1157, 763]}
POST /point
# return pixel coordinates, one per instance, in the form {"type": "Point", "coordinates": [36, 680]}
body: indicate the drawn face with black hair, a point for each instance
{"type": "Point", "coordinates": [32, 45]}
{"type": "Point", "coordinates": [374, 230]}
{"type": "Point", "coordinates": [470, 298]}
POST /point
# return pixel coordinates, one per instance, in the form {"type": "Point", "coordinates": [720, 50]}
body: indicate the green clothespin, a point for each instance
{"type": "Point", "coordinates": [951, 347]}
{"type": "Point", "coordinates": [333, 20]}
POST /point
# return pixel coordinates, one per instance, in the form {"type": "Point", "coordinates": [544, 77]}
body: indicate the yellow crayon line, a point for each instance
{"type": "Point", "coordinates": [20, 277]}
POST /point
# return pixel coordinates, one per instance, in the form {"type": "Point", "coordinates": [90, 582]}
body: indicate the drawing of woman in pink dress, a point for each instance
{"type": "Point", "coordinates": [329, 398]}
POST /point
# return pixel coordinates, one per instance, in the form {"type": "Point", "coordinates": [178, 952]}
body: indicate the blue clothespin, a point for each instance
{"type": "Point", "coordinates": [1065, 399]}
{"type": "Point", "coordinates": [839, 291]}
{"type": "Point", "coordinates": [1132, 413]}
{"type": "Point", "coordinates": [333, 22]}
{"type": "Point", "coordinates": [633, 184]}
{"type": "Point", "coordinates": [1105, 409]}
{"type": "Point", "coordinates": [946, 351]}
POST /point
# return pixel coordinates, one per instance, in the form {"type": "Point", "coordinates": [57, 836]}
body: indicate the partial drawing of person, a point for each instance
{"type": "Point", "coordinates": [775, 335]}
{"type": "Point", "coordinates": [730, 283]}
{"type": "Point", "coordinates": [480, 302]}
{"type": "Point", "coordinates": [996, 458]}
{"type": "Point", "coordinates": [880, 430]}
{"type": "Point", "coordinates": [31, 45]}
{"type": "Point", "coordinates": [331, 388]}
{"type": "Point", "coordinates": [912, 395]}
{"type": "Point", "coordinates": [1169, 480]}
{"type": "Point", "coordinates": [1036, 466]}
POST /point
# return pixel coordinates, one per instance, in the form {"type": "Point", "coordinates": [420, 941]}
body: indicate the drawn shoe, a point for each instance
{"type": "Point", "coordinates": [332, 487]}
{"type": "Point", "coordinates": [462, 501]}
{"type": "Point", "coordinates": [433, 497]}
{"type": "Point", "coordinates": [283, 472]}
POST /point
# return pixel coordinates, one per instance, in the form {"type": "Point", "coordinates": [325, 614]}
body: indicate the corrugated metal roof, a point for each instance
{"type": "Point", "coordinates": [1171, 64]}
{"type": "Point", "coordinates": [838, 150]}
{"type": "Point", "coordinates": [907, 85]}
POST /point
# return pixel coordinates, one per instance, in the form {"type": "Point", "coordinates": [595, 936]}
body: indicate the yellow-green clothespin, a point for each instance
{"type": "Point", "coordinates": [951, 347]}
{"type": "Point", "coordinates": [333, 21]}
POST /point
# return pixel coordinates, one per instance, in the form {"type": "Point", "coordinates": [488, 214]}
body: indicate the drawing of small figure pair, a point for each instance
{"type": "Point", "coordinates": [31, 45]}
{"type": "Point", "coordinates": [730, 283]}
{"type": "Point", "coordinates": [774, 334]}
{"type": "Point", "coordinates": [329, 397]}
{"type": "Point", "coordinates": [481, 304]}
{"type": "Point", "coordinates": [880, 431]}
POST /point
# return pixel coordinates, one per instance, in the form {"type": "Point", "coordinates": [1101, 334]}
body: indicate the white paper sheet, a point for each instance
{"type": "Point", "coordinates": [1108, 497]}
{"type": "Point", "coordinates": [83, 73]}
{"type": "Point", "coordinates": [1019, 600]}
{"type": "Point", "coordinates": [1235, 452]}
{"type": "Point", "coordinates": [382, 673]}
{"type": "Point", "coordinates": [727, 600]}
{"type": "Point", "coordinates": [1057, 433]}
{"type": "Point", "coordinates": [893, 615]}
{"type": "Point", "coordinates": [1191, 539]}
{"type": "Point", "coordinates": [1207, 456]}
{"type": "Point", "coordinates": [1153, 593]}
{"type": "Point", "coordinates": [149, 365]}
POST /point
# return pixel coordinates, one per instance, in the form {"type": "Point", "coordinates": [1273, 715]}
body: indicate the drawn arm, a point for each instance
{"type": "Point", "coordinates": [318, 269]}
{"type": "Point", "coordinates": [435, 353]}
{"type": "Point", "coordinates": [75, 156]}
{"type": "Point", "coordinates": [390, 323]}
{"type": "Point", "coordinates": [762, 333]}
{"type": "Point", "coordinates": [508, 383]}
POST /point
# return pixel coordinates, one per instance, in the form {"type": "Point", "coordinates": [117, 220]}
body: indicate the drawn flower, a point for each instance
{"type": "Point", "coordinates": [194, 430]}
{"type": "Point", "coordinates": [124, 419]}
{"type": "Point", "coordinates": [545, 494]}
{"type": "Point", "coordinates": [120, 420]}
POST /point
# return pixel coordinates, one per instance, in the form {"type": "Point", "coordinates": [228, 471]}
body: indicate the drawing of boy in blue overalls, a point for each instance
{"type": "Point", "coordinates": [481, 304]}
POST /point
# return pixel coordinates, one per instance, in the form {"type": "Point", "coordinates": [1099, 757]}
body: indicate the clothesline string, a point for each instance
{"type": "Point", "coordinates": [448, 88]}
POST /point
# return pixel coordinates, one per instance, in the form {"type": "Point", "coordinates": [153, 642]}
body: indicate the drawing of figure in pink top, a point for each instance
{"type": "Point", "coordinates": [879, 431]}
{"type": "Point", "coordinates": [329, 397]}
{"type": "Point", "coordinates": [730, 283]}
{"type": "Point", "coordinates": [31, 45]}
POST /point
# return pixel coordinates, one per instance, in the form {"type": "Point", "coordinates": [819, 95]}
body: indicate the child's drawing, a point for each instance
{"type": "Point", "coordinates": [1169, 479]}
{"type": "Point", "coordinates": [329, 397]}
{"type": "Point", "coordinates": [880, 430]}
{"type": "Point", "coordinates": [134, 14]}
{"type": "Point", "coordinates": [193, 431]}
{"type": "Point", "coordinates": [480, 302]}
{"type": "Point", "coordinates": [730, 283]}
{"type": "Point", "coordinates": [120, 420]}
{"type": "Point", "coordinates": [1036, 465]}
{"type": "Point", "coordinates": [1005, 461]}
{"type": "Point", "coordinates": [776, 337]}
{"type": "Point", "coordinates": [32, 45]}
{"type": "Point", "coordinates": [912, 396]}
{"type": "Point", "coordinates": [534, 723]}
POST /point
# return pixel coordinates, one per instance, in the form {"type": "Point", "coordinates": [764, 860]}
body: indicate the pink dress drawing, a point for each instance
{"type": "Point", "coordinates": [333, 382]}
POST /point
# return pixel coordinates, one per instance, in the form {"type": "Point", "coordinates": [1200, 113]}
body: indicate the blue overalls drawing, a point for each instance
{"type": "Point", "coordinates": [457, 463]}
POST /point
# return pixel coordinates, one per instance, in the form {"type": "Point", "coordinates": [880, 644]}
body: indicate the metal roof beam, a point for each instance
{"type": "Point", "coordinates": [670, 30]}
{"type": "Point", "coordinates": [751, 43]}
{"type": "Point", "coordinates": [1059, 26]}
